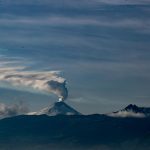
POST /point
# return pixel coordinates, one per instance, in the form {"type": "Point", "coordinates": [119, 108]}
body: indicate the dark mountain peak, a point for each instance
{"type": "Point", "coordinates": [132, 110]}
{"type": "Point", "coordinates": [137, 109]}
{"type": "Point", "coordinates": [132, 107]}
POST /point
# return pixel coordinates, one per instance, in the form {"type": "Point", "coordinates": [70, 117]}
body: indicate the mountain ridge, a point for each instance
{"type": "Point", "coordinates": [76, 132]}
{"type": "Point", "coordinates": [61, 108]}
{"type": "Point", "coordinates": [132, 110]}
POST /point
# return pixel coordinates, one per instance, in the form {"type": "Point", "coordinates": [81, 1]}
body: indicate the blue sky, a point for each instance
{"type": "Point", "coordinates": [101, 48]}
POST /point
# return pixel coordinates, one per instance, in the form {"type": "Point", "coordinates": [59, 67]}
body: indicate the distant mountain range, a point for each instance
{"type": "Point", "coordinates": [60, 127]}
{"type": "Point", "coordinates": [61, 108]}
{"type": "Point", "coordinates": [74, 132]}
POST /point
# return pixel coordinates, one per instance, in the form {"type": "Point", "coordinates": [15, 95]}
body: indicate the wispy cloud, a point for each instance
{"type": "Point", "coordinates": [125, 2]}
{"type": "Point", "coordinates": [74, 3]}
{"type": "Point", "coordinates": [133, 23]}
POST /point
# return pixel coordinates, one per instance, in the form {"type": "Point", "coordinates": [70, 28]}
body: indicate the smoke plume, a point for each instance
{"type": "Point", "coordinates": [45, 81]}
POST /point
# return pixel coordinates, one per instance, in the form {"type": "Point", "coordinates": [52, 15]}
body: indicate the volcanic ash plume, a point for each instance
{"type": "Point", "coordinates": [45, 82]}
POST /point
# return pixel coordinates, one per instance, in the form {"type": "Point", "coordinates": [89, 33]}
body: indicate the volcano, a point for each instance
{"type": "Point", "coordinates": [58, 108]}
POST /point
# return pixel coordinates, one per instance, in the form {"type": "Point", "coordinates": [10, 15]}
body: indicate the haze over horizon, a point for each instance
{"type": "Point", "coordinates": [99, 47]}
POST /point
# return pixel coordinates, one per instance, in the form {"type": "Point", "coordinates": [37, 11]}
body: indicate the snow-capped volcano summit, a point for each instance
{"type": "Point", "coordinates": [132, 111]}
{"type": "Point", "coordinates": [58, 108]}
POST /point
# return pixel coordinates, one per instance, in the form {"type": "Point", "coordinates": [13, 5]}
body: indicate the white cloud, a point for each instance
{"type": "Point", "coordinates": [137, 24]}
{"type": "Point", "coordinates": [63, 20]}
{"type": "Point", "coordinates": [124, 114]}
